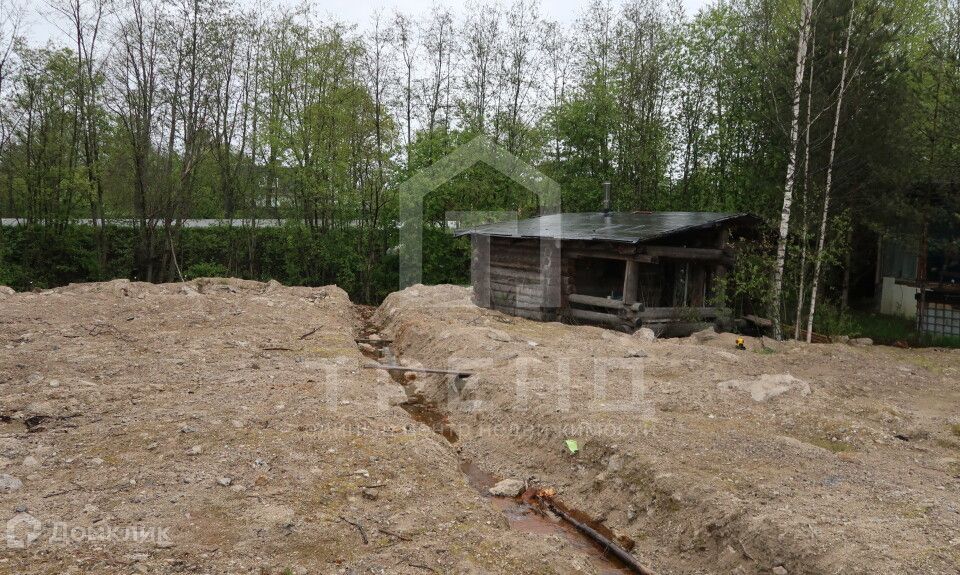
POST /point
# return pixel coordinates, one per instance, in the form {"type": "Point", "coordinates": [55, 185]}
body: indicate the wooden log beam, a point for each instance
{"type": "Point", "coordinates": [679, 252]}
{"type": "Point", "coordinates": [515, 272]}
{"type": "Point", "coordinates": [531, 289]}
{"type": "Point", "coordinates": [601, 302]}
{"type": "Point", "coordinates": [605, 255]}
{"type": "Point", "coordinates": [661, 313]}
{"type": "Point", "coordinates": [597, 317]}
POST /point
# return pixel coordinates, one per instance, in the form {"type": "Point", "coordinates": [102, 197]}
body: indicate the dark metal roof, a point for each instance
{"type": "Point", "coordinates": [626, 227]}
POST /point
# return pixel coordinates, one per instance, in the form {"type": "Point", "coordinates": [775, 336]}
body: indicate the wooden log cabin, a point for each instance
{"type": "Point", "coordinates": [619, 270]}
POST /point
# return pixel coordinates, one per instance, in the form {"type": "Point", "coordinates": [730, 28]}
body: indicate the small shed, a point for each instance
{"type": "Point", "coordinates": [622, 270]}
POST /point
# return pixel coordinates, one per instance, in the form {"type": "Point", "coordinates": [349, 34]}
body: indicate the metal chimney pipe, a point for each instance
{"type": "Point", "coordinates": [606, 198]}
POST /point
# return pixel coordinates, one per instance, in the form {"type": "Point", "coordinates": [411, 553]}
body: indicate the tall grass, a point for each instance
{"type": "Point", "coordinates": [882, 329]}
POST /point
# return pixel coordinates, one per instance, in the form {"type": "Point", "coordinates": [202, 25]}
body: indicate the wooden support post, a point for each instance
{"type": "Point", "coordinates": [720, 271]}
{"type": "Point", "coordinates": [480, 269]}
{"type": "Point", "coordinates": [550, 273]}
{"type": "Point", "coordinates": [630, 281]}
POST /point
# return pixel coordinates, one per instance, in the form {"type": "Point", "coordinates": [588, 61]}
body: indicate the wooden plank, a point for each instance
{"type": "Point", "coordinates": [506, 285]}
{"type": "Point", "coordinates": [524, 248]}
{"type": "Point", "coordinates": [480, 269]}
{"type": "Point", "coordinates": [523, 290]}
{"type": "Point", "coordinates": [528, 313]}
{"type": "Point", "coordinates": [513, 300]}
{"type": "Point", "coordinates": [499, 260]}
{"type": "Point", "coordinates": [418, 369]}
{"type": "Point", "coordinates": [758, 321]}
{"type": "Point", "coordinates": [511, 273]}
{"type": "Point", "coordinates": [552, 271]}
{"type": "Point", "coordinates": [597, 317]}
{"type": "Point", "coordinates": [510, 280]}
{"type": "Point", "coordinates": [590, 254]}
{"type": "Point", "coordinates": [708, 254]}
{"type": "Point", "coordinates": [601, 302]}
{"type": "Point", "coordinates": [655, 313]}
{"type": "Point", "coordinates": [631, 282]}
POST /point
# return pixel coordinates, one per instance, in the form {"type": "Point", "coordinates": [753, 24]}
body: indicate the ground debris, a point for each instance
{"type": "Point", "coordinates": [752, 457]}
{"type": "Point", "coordinates": [178, 421]}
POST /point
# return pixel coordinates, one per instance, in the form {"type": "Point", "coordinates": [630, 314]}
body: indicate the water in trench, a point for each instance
{"type": "Point", "coordinates": [523, 513]}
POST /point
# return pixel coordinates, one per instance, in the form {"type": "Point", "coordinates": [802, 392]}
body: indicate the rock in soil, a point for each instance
{"type": "Point", "coordinates": [508, 488]}
{"type": "Point", "coordinates": [646, 334]}
{"type": "Point", "coordinates": [9, 483]}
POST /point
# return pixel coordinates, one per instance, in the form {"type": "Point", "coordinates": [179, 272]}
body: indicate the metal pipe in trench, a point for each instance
{"type": "Point", "coordinates": [623, 555]}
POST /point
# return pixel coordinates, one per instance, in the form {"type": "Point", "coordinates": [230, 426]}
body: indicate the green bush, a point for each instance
{"type": "Point", "coordinates": [363, 263]}
{"type": "Point", "coordinates": [882, 329]}
{"type": "Point", "coordinates": [206, 270]}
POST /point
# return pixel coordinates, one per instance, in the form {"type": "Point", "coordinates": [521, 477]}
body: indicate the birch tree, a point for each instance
{"type": "Point", "coordinates": [801, 293]}
{"type": "Point", "coordinates": [818, 261]}
{"type": "Point", "coordinates": [803, 38]}
{"type": "Point", "coordinates": [405, 37]}
{"type": "Point", "coordinates": [11, 19]}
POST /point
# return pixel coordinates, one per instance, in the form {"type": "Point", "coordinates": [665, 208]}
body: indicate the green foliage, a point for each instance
{"type": "Point", "coordinates": [205, 270]}
{"type": "Point", "coordinates": [446, 260]}
{"type": "Point", "coordinates": [882, 329]}
{"type": "Point", "coordinates": [31, 257]}
{"type": "Point", "coordinates": [749, 287]}
{"type": "Point", "coordinates": [832, 321]}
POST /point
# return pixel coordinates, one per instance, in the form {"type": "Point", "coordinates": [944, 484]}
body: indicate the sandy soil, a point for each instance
{"type": "Point", "coordinates": [224, 426]}
{"type": "Point", "coordinates": [787, 458]}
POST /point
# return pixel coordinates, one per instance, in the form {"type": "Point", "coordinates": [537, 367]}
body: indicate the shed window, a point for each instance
{"type": "Point", "coordinates": [599, 277]}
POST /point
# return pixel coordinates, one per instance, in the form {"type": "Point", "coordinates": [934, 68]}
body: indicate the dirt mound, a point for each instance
{"type": "Point", "coordinates": [782, 458]}
{"type": "Point", "coordinates": [225, 426]}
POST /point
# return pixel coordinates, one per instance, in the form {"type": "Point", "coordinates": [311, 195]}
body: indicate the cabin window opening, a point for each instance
{"type": "Point", "coordinates": [681, 287]}
{"type": "Point", "coordinates": [599, 277]}
{"type": "Point", "coordinates": [650, 290]}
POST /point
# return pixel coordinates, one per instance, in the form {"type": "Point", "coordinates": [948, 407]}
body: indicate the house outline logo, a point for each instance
{"type": "Point", "coordinates": [30, 530]}
{"type": "Point", "coordinates": [414, 190]}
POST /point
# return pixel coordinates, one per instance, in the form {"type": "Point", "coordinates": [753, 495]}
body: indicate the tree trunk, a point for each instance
{"type": "Point", "coordinates": [818, 263]}
{"type": "Point", "coordinates": [801, 288]}
{"type": "Point", "coordinates": [804, 36]}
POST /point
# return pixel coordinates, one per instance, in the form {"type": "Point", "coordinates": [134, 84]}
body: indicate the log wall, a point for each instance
{"type": "Point", "coordinates": [522, 277]}
{"type": "Point", "coordinates": [530, 278]}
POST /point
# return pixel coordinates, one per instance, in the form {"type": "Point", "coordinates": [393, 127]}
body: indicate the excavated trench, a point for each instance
{"type": "Point", "coordinates": [528, 512]}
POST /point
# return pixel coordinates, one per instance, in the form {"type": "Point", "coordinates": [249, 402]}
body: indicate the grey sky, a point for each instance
{"type": "Point", "coordinates": [40, 29]}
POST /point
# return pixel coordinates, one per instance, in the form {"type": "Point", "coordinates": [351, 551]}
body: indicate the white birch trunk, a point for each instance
{"type": "Point", "coordinates": [818, 262]}
{"type": "Point", "coordinates": [801, 295]}
{"type": "Point", "coordinates": [791, 167]}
